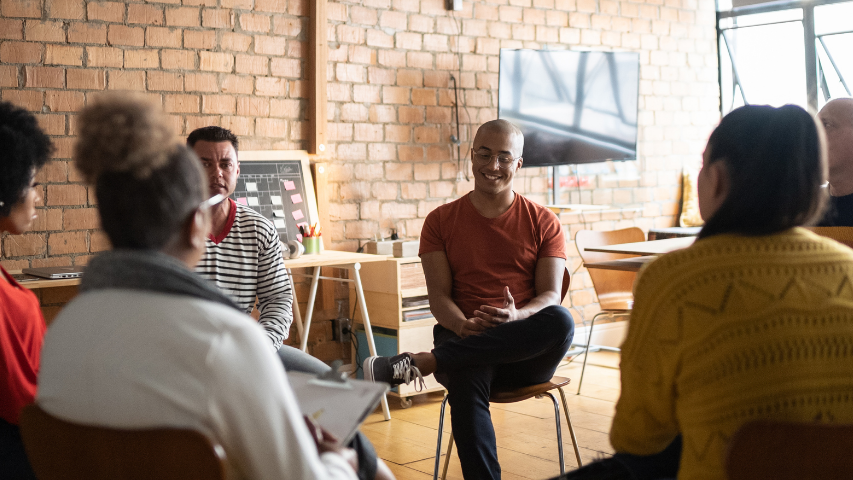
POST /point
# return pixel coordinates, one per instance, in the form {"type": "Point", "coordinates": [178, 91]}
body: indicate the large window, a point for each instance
{"type": "Point", "coordinates": [785, 52]}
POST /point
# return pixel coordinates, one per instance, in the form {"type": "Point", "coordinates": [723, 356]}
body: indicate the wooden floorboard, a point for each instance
{"type": "Point", "coordinates": [525, 431]}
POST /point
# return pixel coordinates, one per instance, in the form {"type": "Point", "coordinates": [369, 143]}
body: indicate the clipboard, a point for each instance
{"type": "Point", "coordinates": [339, 405]}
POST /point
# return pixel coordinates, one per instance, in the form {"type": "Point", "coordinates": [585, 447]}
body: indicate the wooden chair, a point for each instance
{"type": "Point", "coordinates": [60, 450]}
{"type": "Point", "coordinates": [790, 451]}
{"type": "Point", "coordinates": [615, 289]}
{"type": "Point", "coordinates": [518, 395]}
{"type": "Point", "coordinates": [839, 234]}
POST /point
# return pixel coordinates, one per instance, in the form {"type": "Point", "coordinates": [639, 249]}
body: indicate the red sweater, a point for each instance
{"type": "Point", "coordinates": [22, 331]}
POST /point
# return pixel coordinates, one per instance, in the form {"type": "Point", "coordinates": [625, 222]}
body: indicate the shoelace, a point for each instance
{"type": "Point", "coordinates": [404, 370]}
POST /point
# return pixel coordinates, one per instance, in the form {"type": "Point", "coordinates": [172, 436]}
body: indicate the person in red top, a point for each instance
{"type": "Point", "coordinates": [494, 264]}
{"type": "Point", "coordinates": [24, 148]}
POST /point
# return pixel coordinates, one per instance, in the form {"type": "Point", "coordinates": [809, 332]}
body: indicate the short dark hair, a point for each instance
{"type": "Point", "coordinates": [212, 134]}
{"type": "Point", "coordinates": [25, 148]}
{"type": "Point", "coordinates": [775, 160]}
{"type": "Point", "coordinates": [146, 182]}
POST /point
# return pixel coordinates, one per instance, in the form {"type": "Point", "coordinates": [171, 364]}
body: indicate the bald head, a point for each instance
{"type": "Point", "coordinates": [837, 119]}
{"type": "Point", "coordinates": [504, 128]}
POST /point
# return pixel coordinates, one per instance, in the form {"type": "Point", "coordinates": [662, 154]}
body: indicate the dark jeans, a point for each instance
{"type": "Point", "coordinates": [511, 355]}
{"type": "Point", "coordinates": [14, 464]}
{"type": "Point", "coordinates": [624, 466]}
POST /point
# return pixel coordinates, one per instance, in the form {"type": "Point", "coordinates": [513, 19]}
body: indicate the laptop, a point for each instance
{"type": "Point", "coordinates": [55, 272]}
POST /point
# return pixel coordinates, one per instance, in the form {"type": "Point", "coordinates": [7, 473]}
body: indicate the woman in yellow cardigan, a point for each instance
{"type": "Point", "coordinates": [754, 321]}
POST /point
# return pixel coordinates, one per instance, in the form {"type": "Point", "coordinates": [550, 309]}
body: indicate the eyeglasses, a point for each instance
{"type": "Point", "coordinates": [505, 160]}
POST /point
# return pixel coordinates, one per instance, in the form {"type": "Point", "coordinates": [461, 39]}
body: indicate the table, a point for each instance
{"type": "Point", "coordinates": [334, 259]}
{"type": "Point", "coordinates": [623, 264]}
{"type": "Point", "coordinates": [37, 283]}
{"type": "Point", "coordinates": [652, 247]}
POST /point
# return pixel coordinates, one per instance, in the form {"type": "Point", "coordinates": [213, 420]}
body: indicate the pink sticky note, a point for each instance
{"type": "Point", "coordinates": [242, 201]}
{"type": "Point", "coordinates": [296, 198]}
{"type": "Point", "coordinates": [288, 185]}
{"type": "Point", "coordinates": [297, 215]}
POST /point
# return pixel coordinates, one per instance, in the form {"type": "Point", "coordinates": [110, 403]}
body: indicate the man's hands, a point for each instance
{"type": "Point", "coordinates": [487, 317]}
{"type": "Point", "coordinates": [326, 442]}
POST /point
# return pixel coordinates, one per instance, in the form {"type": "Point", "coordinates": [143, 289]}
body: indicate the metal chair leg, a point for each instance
{"type": "Point", "coordinates": [559, 432]}
{"type": "Point", "coordinates": [571, 428]}
{"type": "Point", "coordinates": [438, 443]}
{"type": "Point", "coordinates": [447, 456]}
{"type": "Point", "coordinates": [586, 350]}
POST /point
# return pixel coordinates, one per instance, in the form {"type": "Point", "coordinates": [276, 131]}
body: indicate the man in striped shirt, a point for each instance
{"type": "Point", "coordinates": [243, 256]}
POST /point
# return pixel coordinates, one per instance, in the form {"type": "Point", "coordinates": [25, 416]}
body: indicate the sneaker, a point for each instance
{"type": "Point", "coordinates": [393, 370]}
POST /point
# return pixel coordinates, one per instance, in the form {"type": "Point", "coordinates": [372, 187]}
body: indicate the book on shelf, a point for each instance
{"type": "Point", "coordinates": [418, 314]}
{"type": "Point", "coordinates": [415, 301]}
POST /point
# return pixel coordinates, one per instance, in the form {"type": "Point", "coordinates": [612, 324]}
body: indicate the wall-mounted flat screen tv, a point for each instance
{"type": "Point", "coordinates": [573, 107]}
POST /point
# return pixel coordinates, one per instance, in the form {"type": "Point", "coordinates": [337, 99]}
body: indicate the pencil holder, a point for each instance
{"type": "Point", "coordinates": [311, 244]}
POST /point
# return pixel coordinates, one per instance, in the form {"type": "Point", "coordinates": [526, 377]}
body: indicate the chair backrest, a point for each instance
{"type": "Point", "coordinates": [790, 451]}
{"type": "Point", "coordinates": [614, 288]}
{"type": "Point", "coordinates": [62, 450]}
{"type": "Point", "coordinates": [839, 234]}
{"type": "Point", "coordinates": [567, 280]}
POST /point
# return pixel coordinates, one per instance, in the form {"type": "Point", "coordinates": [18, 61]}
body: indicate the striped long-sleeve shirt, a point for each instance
{"type": "Point", "coordinates": [245, 262]}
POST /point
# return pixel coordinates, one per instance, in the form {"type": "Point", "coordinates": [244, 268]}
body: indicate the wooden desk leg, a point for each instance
{"type": "Point", "coordinates": [310, 312]}
{"type": "Point", "coordinates": [297, 316]}
{"type": "Point", "coordinates": [371, 345]}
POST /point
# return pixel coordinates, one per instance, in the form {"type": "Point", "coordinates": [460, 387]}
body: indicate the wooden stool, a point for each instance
{"type": "Point", "coordinates": [513, 396]}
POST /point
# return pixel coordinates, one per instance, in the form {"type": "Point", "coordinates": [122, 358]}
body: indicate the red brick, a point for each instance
{"type": "Point", "coordinates": [426, 135]}
{"type": "Point", "coordinates": [124, 35]}
{"type": "Point", "coordinates": [268, 86]}
{"type": "Point", "coordinates": [420, 60]}
{"type": "Point", "coordinates": [408, 41]}
{"type": "Point", "coordinates": [106, 11]}
{"type": "Point", "coordinates": [238, 84]}
{"type": "Point", "coordinates": [368, 132]}
{"type": "Point", "coordinates": [199, 40]}
{"type": "Point", "coordinates": [64, 101]}
{"type": "Point", "coordinates": [270, 127]}
{"type": "Point", "coordinates": [252, 64]}
{"type": "Point", "coordinates": [126, 80]}
{"type": "Point", "coordinates": [183, 17]}
{"type": "Point", "coordinates": [52, 124]}
{"type": "Point", "coordinates": [84, 32]}
{"type": "Point", "coordinates": [11, 29]}
{"type": "Point", "coordinates": [81, 219]}
{"type": "Point", "coordinates": [286, 67]}
{"type": "Point", "coordinates": [29, 99]}
{"type": "Point", "coordinates": [349, 73]}
{"type": "Point", "coordinates": [67, 242]}
{"type": "Point", "coordinates": [273, 6]}
{"type": "Point", "coordinates": [63, 55]}
{"type": "Point", "coordinates": [218, 104]}
{"type": "Point", "coordinates": [364, 16]}
{"type": "Point", "coordinates": [48, 219]}
{"type": "Point", "coordinates": [354, 112]}
{"type": "Point", "coordinates": [163, 37]}
{"type": "Point", "coordinates": [290, 27]}
{"type": "Point", "coordinates": [198, 121]}
{"type": "Point", "coordinates": [24, 245]}
{"type": "Point", "coordinates": [64, 147]}
{"type": "Point", "coordinates": [236, 42]}
{"type": "Point", "coordinates": [411, 114]}
{"type": "Point", "coordinates": [20, 52]}
{"type": "Point", "coordinates": [285, 108]}
{"type": "Point", "coordinates": [104, 57]}
{"type": "Point", "coordinates": [381, 76]}
{"type": "Point", "coordinates": [54, 172]}
{"type": "Point", "coordinates": [21, 8]}
{"type": "Point", "coordinates": [240, 126]}
{"type": "Point", "coordinates": [367, 94]}
{"type": "Point", "coordinates": [348, 34]}
{"type": "Point", "coordinates": [216, 62]}
{"type": "Point", "coordinates": [44, 77]}
{"type": "Point", "coordinates": [423, 96]}
{"type": "Point", "coordinates": [398, 95]}
{"type": "Point", "coordinates": [398, 133]}
{"type": "Point", "coordinates": [253, 106]}
{"type": "Point", "coordinates": [8, 76]}
{"type": "Point", "coordinates": [172, 82]}
{"type": "Point", "coordinates": [395, 20]}
{"type": "Point", "coordinates": [66, 195]}
{"type": "Point", "coordinates": [201, 82]}
{"type": "Point", "coordinates": [178, 60]}
{"type": "Point", "coordinates": [251, 22]}
{"type": "Point", "coordinates": [410, 154]}
{"type": "Point", "coordinates": [142, 58]}
{"type": "Point", "coordinates": [378, 38]}
{"type": "Point", "coordinates": [41, 31]}
{"type": "Point", "coordinates": [382, 114]}
{"type": "Point", "coordinates": [181, 103]}
{"type": "Point", "coordinates": [216, 18]}
{"type": "Point", "coordinates": [68, 9]}
{"type": "Point", "coordinates": [267, 45]}
{"type": "Point", "coordinates": [144, 14]}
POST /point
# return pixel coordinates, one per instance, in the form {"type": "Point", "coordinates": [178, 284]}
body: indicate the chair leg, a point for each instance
{"type": "Point", "coordinates": [438, 443]}
{"type": "Point", "coordinates": [586, 350]}
{"type": "Point", "coordinates": [559, 432]}
{"type": "Point", "coordinates": [447, 456]}
{"type": "Point", "coordinates": [571, 428]}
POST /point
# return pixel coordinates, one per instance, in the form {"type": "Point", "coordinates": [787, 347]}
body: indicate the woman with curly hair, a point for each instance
{"type": "Point", "coordinates": [24, 148]}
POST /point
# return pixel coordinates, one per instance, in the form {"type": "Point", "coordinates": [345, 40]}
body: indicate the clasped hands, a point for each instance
{"type": "Point", "coordinates": [487, 317]}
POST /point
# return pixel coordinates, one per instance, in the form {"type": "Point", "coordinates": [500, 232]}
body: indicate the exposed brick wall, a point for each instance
{"type": "Point", "coordinates": [242, 64]}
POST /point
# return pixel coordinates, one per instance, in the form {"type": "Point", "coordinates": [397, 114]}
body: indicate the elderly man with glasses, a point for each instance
{"type": "Point", "coordinates": [494, 264]}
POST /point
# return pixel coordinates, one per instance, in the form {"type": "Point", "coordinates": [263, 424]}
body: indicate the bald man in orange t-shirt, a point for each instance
{"type": "Point", "coordinates": [494, 264]}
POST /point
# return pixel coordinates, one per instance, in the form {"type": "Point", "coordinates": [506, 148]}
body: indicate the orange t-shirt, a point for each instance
{"type": "Point", "coordinates": [486, 254]}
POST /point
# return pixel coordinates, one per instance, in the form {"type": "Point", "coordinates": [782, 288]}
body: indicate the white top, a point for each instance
{"type": "Point", "coordinates": [132, 359]}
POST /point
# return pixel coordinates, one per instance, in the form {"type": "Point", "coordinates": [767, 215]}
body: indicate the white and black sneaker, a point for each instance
{"type": "Point", "coordinates": [393, 370]}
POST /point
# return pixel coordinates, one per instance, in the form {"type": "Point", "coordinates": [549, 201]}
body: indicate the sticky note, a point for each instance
{"type": "Point", "coordinates": [296, 198]}
{"type": "Point", "coordinates": [279, 223]}
{"type": "Point", "coordinates": [242, 201]}
{"type": "Point", "coordinates": [251, 187]}
{"type": "Point", "coordinates": [253, 201]}
{"type": "Point", "coordinates": [297, 215]}
{"type": "Point", "coordinates": [278, 213]}
{"type": "Point", "coordinates": [288, 185]}
{"type": "Point", "coordinates": [275, 200]}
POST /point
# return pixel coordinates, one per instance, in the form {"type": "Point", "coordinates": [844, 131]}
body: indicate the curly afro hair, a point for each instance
{"type": "Point", "coordinates": [24, 148]}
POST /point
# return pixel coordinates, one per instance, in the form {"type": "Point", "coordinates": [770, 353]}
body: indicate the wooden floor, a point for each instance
{"type": "Point", "coordinates": [525, 431]}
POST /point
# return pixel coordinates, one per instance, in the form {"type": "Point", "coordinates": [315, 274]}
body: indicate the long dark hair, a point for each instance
{"type": "Point", "coordinates": [775, 160]}
{"type": "Point", "coordinates": [25, 149]}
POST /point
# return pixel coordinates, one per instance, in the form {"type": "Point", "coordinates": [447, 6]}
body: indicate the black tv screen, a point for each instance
{"type": "Point", "coordinates": [573, 107]}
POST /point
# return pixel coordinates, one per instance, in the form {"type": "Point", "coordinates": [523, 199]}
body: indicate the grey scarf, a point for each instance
{"type": "Point", "coordinates": [148, 270]}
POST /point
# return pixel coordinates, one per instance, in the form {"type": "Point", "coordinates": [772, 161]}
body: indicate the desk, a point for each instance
{"type": "Point", "coordinates": [334, 259]}
{"type": "Point", "coordinates": [623, 264]}
{"type": "Point", "coordinates": [653, 247]}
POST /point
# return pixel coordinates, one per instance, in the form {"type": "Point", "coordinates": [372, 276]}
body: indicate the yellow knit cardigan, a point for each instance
{"type": "Point", "coordinates": [735, 329]}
